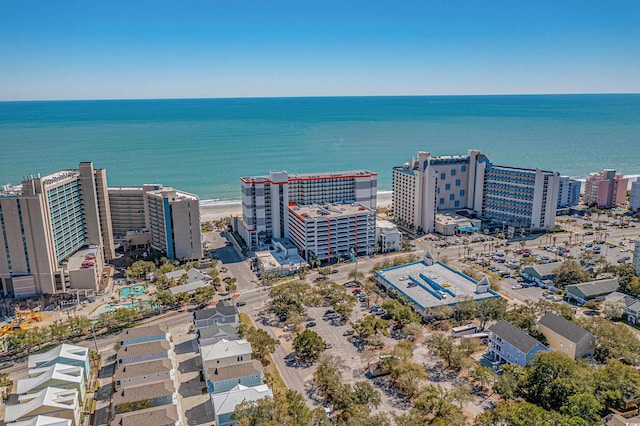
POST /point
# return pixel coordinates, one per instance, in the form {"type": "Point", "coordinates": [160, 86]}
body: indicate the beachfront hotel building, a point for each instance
{"type": "Point", "coordinates": [267, 203]}
{"type": "Point", "coordinates": [605, 189]}
{"type": "Point", "coordinates": [568, 192]}
{"type": "Point", "coordinates": [173, 222]}
{"type": "Point", "coordinates": [471, 184]}
{"type": "Point", "coordinates": [331, 232]}
{"type": "Point", "coordinates": [56, 232]}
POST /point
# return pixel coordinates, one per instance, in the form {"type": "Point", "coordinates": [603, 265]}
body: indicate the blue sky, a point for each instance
{"type": "Point", "coordinates": [170, 49]}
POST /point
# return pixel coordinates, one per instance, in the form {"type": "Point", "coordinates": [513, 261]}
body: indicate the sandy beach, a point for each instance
{"type": "Point", "coordinates": [212, 211]}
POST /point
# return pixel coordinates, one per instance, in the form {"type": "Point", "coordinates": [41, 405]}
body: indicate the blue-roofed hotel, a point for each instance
{"type": "Point", "coordinates": [428, 285]}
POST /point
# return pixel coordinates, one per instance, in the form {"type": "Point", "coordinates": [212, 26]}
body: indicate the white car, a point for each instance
{"type": "Point", "coordinates": [516, 287]}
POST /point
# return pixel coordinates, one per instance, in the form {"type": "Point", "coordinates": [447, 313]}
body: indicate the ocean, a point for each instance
{"type": "Point", "coordinates": [204, 146]}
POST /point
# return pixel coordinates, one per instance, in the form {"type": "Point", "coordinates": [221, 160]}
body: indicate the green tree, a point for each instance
{"type": "Point", "coordinates": [511, 379]}
{"type": "Point", "coordinates": [327, 377]}
{"type": "Point", "coordinates": [484, 375]}
{"type": "Point", "coordinates": [445, 347]}
{"type": "Point", "coordinates": [615, 383]}
{"type": "Point", "coordinates": [585, 406]}
{"type": "Point", "coordinates": [139, 269]}
{"type": "Point", "coordinates": [613, 341]}
{"type": "Point", "coordinates": [261, 343]}
{"type": "Point", "coordinates": [370, 325]}
{"type": "Point", "coordinates": [460, 394]}
{"type": "Point", "coordinates": [613, 309]}
{"type": "Point", "coordinates": [308, 345]}
{"type": "Point", "coordinates": [491, 310]}
{"type": "Point", "coordinates": [399, 312]}
{"type": "Point", "coordinates": [432, 407]}
{"type": "Point", "coordinates": [523, 317]}
{"type": "Point", "coordinates": [554, 377]}
{"type": "Point", "coordinates": [324, 271]}
{"type": "Point", "coordinates": [405, 375]}
{"type": "Point", "coordinates": [570, 272]}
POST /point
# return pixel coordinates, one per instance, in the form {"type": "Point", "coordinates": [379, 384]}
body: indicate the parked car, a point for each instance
{"type": "Point", "coordinates": [328, 346]}
{"type": "Point", "coordinates": [241, 303]}
{"type": "Point", "coordinates": [334, 271]}
{"type": "Point", "coordinates": [348, 333]}
{"type": "Point", "coordinates": [310, 324]}
{"type": "Point", "coordinates": [516, 287]}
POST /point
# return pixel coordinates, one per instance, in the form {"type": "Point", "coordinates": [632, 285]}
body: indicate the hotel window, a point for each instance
{"type": "Point", "coordinates": [463, 168]}
{"type": "Point", "coordinates": [453, 172]}
{"type": "Point", "coordinates": [447, 186]}
{"type": "Point", "coordinates": [443, 176]}
{"type": "Point", "coordinates": [457, 182]}
{"type": "Point", "coordinates": [441, 200]}
{"type": "Point", "coordinates": [462, 192]}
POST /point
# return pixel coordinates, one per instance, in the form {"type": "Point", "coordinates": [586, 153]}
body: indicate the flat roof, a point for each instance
{"type": "Point", "coordinates": [323, 211]}
{"type": "Point", "coordinates": [432, 285]}
{"type": "Point", "coordinates": [272, 259]}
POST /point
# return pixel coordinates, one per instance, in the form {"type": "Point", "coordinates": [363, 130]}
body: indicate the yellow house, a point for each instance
{"type": "Point", "coordinates": [566, 337]}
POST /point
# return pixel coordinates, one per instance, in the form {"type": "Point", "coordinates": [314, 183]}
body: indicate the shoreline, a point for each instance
{"type": "Point", "coordinates": [219, 209]}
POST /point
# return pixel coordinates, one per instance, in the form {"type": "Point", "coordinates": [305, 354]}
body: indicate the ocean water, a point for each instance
{"type": "Point", "coordinates": [205, 145]}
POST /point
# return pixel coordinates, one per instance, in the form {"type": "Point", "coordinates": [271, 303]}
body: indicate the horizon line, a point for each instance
{"type": "Point", "coordinates": [319, 97]}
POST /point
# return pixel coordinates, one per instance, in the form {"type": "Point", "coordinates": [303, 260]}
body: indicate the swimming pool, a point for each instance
{"type": "Point", "coordinates": [132, 291]}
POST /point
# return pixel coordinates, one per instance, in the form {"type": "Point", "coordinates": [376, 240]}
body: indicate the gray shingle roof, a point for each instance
{"type": "Point", "coordinates": [141, 368]}
{"type": "Point", "coordinates": [596, 288]}
{"type": "Point", "coordinates": [514, 336]}
{"type": "Point", "coordinates": [147, 391]}
{"type": "Point", "coordinates": [130, 351]}
{"type": "Point", "coordinates": [546, 269]}
{"type": "Point", "coordinates": [223, 308]}
{"type": "Point", "coordinates": [156, 416]}
{"type": "Point", "coordinates": [213, 330]}
{"type": "Point", "coordinates": [563, 327]}
{"type": "Point", "coordinates": [143, 331]}
{"type": "Point", "coordinates": [242, 369]}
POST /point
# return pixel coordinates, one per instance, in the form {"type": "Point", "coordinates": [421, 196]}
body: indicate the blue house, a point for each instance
{"type": "Point", "coordinates": [511, 345]}
{"type": "Point", "coordinates": [223, 379]}
{"type": "Point", "coordinates": [144, 334]}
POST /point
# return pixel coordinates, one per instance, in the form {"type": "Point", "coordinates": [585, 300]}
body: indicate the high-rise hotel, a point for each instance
{"type": "Point", "coordinates": [56, 232]}
{"type": "Point", "coordinates": [428, 185]}
{"type": "Point", "coordinates": [327, 215]}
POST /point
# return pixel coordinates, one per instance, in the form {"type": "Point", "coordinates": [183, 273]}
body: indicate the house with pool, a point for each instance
{"type": "Point", "coordinates": [428, 284]}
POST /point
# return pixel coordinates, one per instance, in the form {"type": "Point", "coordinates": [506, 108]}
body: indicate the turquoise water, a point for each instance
{"type": "Point", "coordinates": [205, 145]}
{"type": "Point", "coordinates": [132, 291]}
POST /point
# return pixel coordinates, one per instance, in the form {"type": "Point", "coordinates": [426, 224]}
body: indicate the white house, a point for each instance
{"type": "Point", "coordinates": [225, 352]}
{"type": "Point", "coordinates": [53, 402]}
{"type": "Point", "coordinates": [62, 354]}
{"type": "Point", "coordinates": [58, 375]}
{"type": "Point", "coordinates": [43, 421]}
{"type": "Point", "coordinates": [225, 403]}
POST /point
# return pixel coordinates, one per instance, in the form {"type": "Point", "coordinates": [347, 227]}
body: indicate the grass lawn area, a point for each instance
{"type": "Point", "coordinates": [276, 380]}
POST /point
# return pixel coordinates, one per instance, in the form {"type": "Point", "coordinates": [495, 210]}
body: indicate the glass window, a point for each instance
{"type": "Point", "coordinates": [453, 172]}
{"type": "Point", "coordinates": [443, 176]}
{"type": "Point", "coordinates": [462, 192]}
{"type": "Point", "coordinates": [441, 200]}
{"type": "Point", "coordinates": [451, 197]}
{"type": "Point", "coordinates": [457, 182]}
{"type": "Point", "coordinates": [463, 168]}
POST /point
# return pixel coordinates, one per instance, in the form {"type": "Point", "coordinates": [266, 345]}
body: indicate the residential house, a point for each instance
{"type": "Point", "coordinates": [144, 334]}
{"type": "Point", "coordinates": [223, 379]}
{"type": "Point", "coordinates": [58, 375]}
{"type": "Point", "coordinates": [225, 403]}
{"type": "Point", "coordinates": [216, 332]}
{"type": "Point", "coordinates": [52, 402]}
{"type": "Point", "coordinates": [43, 421]}
{"type": "Point", "coordinates": [144, 352]}
{"type": "Point", "coordinates": [541, 273]}
{"type": "Point", "coordinates": [62, 354]}
{"type": "Point", "coordinates": [192, 275]}
{"type": "Point", "coordinates": [160, 393]}
{"type": "Point", "coordinates": [189, 288]}
{"type": "Point", "coordinates": [165, 415]}
{"type": "Point", "coordinates": [618, 420]}
{"type": "Point", "coordinates": [566, 337]}
{"type": "Point", "coordinates": [225, 352]}
{"type": "Point", "coordinates": [223, 313]}
{"type": "Point", "coordinates": [582, 293]}
{"type": "Point", "coordinates": [632, 310]}
{"type": "Point", "coordinates": [511, 345]}
{"type": "Point", "coordinates": [157, 370]}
